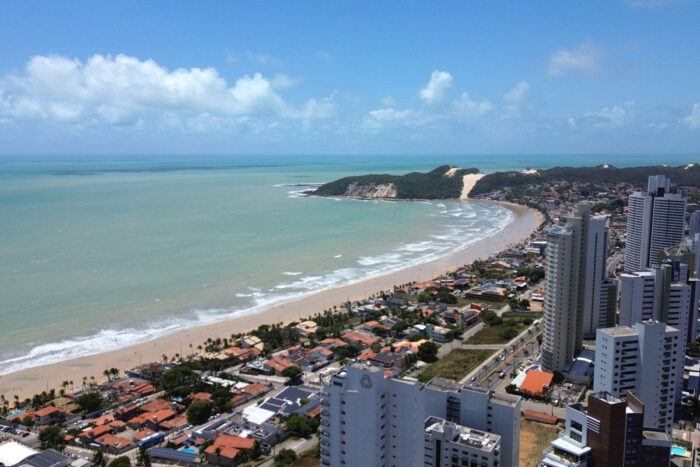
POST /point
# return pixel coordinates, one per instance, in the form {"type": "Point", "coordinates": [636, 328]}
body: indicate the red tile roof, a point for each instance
{"type": "Point", "coordinates": [537, 382]}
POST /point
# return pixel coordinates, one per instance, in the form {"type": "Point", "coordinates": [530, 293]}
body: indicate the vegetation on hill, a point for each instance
{"type": "Point", "coordinates": [681, 176]}
{"type": "Point", "coordinates": [414, 185]}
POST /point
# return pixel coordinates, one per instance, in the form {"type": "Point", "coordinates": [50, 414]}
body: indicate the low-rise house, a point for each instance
{"type": "Point", "coordinates": [92, 433]}
{"type": "Point", "coordinates": [332, 343]}
{"type": "Point", "coordinates": [358, 339]}
{"type": "Point", "coordinates": [46, 415]}
{"type": "Point", "coordinates": [174, 423]}
{"type": "Point", "coordinates": [226, 448]}
{"type": "Point", "coordinates": [437, 333]}
{"type": "Point", "coordinates": [156, 405]}
{"type": "Point", "coordinates": [114, 443]}
{"type": "Point", "coordinates": [252, 341]}
{"type": "Point", "coordinates": [140, 435]}
{"type": "Point", "coordinates": [321, 354]}
{"type": "Point", "coordinates": [306, 328]}
{"type": "Point", "coordinates": [277, 365]}
{"type": "Point", "coordinates": [243, 354]}
{"type": "Point", "coordinates": [126, 412]}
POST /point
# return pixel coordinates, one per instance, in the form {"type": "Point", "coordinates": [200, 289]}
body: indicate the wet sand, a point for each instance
{"type": "Point", "coordinates": [28, 382]}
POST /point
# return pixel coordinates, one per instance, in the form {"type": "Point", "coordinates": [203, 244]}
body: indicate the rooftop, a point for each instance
{"type": "Point", "coordinates": [619, 331]}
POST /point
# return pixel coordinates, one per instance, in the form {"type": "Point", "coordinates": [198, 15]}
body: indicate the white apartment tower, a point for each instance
{"type": "Point", "coordinates": [578, 298]}
{"type": "Point", "coordinates": [447, 443]}
{"type": "Point", "coordinates": [646, 359]}
{"type": "Point", "coordinates": [367, 419]}
{"type": "Point", "coordinates": [655, 221]}
{"type": "Point", "coordinates": [694, 224]}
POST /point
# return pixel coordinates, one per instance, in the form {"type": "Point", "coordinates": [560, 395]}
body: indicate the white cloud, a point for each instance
{"type": "Point", "coordinates": [122, 89]}
{"type": "Point", "coordinates": [583, 59]}
{"type": "Point", "coordinates": [468, 107]}
{"type": "Point", "coordinates": [615, 116]}
{"type": "Point", "coordinates": [282, 81]}
{"type": "Point", "coordinates": [693, 120]}
{"type": "Point", "coordinates": [388, 101]}
{"type": "Point", "coordinates": [515, 99]}
{"type": "Point", "coordinates": [388, 115]}
{"type": "Point", "coordinates": [323, 55]}
{"type": "Point", "coordinates": [265, 59]}
{"type": "Point", "coordinates": [434, 92]}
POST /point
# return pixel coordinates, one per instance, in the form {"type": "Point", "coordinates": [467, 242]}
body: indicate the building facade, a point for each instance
{"type": "Point", "coordinates": [367, 419]}
{"type": "Point", "coordinates": [578, 298]}
{"type": "Point", "coordinates": [646, 359]}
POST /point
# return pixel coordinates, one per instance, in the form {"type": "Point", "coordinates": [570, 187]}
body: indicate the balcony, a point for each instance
{"type": "Point", "coordinates": [560, 458]}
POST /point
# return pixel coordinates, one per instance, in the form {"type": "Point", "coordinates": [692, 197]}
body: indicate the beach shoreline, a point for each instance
{"type": "Point", "coordinates": [30, 381]}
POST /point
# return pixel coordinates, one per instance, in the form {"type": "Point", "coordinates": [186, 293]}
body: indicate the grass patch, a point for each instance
{"type": "Point", "coordinates": [522, 314]}
{"type": "Point", "coordinates": [309, 458]}
{"type": "Point", "coordinates": [495, 334]}
{"type": "Point", "coordinates": [455, 365]}
{"type": "Point", "coordinates": [534, 438]}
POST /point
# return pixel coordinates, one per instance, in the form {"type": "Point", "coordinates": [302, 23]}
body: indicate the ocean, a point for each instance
{"type": "Point", "coordinates": [99, 253]}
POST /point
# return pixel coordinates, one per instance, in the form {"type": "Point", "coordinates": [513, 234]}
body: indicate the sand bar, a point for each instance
{"type": "Point", "coordinates": [28, 382]}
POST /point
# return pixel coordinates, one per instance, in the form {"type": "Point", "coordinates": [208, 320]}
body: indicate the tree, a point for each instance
{"type": "Point", "coordinates": [423, 297]}
{"type": "Point", "coordinates": [121, 461]}
{"type": "Point", "coordinates": [91, 401]}
{"type": "Point", "coordinates": [558, 377]}
{"type": "Point", "coordinates": [52, 437]}
{"type": "Point", "coordinates": [143, 458]}
{"type": "Point", "coordinates": [199, 412]}
{"type": "Point", "coordinates": [492, 319]}
{"type": "Point", "coordinates": [28, 420]}
{"type": "Point", "coordinates": [98, 459]}
{"type": "Point", "coordinates": [427, 351]}
{"type": "Point", "coordinates": [256, 451]}
{"type": "Point", "coordinates": [300, 426]}
{"type": "Point", "coordinates": [292, 372]}
{"type": "Point", "coordinates": [285, 457]}
{"type": "Point", "coordinates": [508, 333]}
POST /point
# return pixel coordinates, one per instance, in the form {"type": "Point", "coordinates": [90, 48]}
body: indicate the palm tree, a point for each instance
{"type": "Point", "coordinates": [106, 373]}
{"type": "Point", "coordinates": [114, 372]}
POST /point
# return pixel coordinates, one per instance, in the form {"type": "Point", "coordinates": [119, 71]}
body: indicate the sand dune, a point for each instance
{"type": "Point", "coordinates": [469, 181]}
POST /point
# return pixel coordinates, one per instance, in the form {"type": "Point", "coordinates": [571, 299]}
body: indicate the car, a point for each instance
{"type": "Point", "coordinates": [503, 357]}
{"type": "Point", "coordinates": [501, 374]}
{"type": "Point", "coordinates": [473, 379]}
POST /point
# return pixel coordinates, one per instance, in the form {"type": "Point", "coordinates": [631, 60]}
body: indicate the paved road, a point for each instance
{"type": "Point", "coordinates": [614, 261]}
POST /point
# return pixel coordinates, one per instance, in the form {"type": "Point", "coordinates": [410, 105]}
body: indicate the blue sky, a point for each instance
{"type": "Point", "coordinates": [350, 77]}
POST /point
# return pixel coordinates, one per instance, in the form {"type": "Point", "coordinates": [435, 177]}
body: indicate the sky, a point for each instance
{"type": "Point", "coordinates": [342, 78]}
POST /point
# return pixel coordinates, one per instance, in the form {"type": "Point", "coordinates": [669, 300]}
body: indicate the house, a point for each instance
{"type": "Point", "coordinates": [126, 412]}
{"type": "Point", "coordinates": [358, 339]}
{"type": "Point", "coordinates": [277, 365]}
{"type": "Point", "coordinates": [243, 354]}
{"type": "Point", "coordinates": [252, 341]}
{"type": "Point", "coordinates": [332, 343]}
{"type": "Point", "coordinates": [321, 354]}
{"type": "Point", "coordinates": [437, 333]}
{"type": "Point", "coordinates": [306, 328]}
{"type": "Point", "coordinates": [537, 383]}
{"type": "Point", "coordinates": [114, 443]}
{"type": "Point", "coordinates": [174, 423]}
{"type": "Point", "coordinates": [154, 419]}
{"type": "Point", "coordinates": [370, 325]}
{"type": "Point", "coordinates": [46, 415]}
{"type": "Point", "coordinates": [256, 389]}
{"type": "Point", "coordinates": [142, 434]}
{"type": "Point", "coordinates": [226, 448]}
{"type": "Point", "coordinates": [92, 433]}
{"type": "Point", "coordinates": [156, 405]}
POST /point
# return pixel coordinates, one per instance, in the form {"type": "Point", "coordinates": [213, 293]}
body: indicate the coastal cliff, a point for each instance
{"type": "Point", "coordinates": [444, 182]}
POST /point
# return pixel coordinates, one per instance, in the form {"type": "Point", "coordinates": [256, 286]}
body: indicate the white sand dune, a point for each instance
{"type": "Point", "coordinates": [468, 182]}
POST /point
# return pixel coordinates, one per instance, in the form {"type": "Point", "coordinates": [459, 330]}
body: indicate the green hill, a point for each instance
{"type": "Point", "coordinates": [415, 185]}
{"type": "Point", "coordinates": [681, 176]}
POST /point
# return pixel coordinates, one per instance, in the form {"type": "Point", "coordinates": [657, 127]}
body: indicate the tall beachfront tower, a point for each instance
{"type": "Point", "coordinates": [694, 224]}
{"type": "Point", "coordinates": [576, 298]}
{"type": "Point", "coordinates": [368, 419]}
{"type": "Point", "coordinates": [655, 221]}
{"type": "Point", "coordinates": [646, 359]}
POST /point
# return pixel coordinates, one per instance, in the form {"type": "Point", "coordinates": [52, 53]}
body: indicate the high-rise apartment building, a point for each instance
{"type": "Point", "coordinates": [367, 419]}
{"type": "Point", "coordinates": [694, 224]}
{"type": "Point", "coordinates": [447, 443]}
{"type": "Point", "coordinates": [578, 298]}
{"type": "Point", "coordinates": [608, 431]}
{"type": "Point", "coordinates": [646, 359]}
{"type": "Point", "coordinates": [655, 221]}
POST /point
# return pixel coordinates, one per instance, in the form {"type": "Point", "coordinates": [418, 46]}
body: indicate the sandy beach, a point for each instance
{"type": "Point", "coordinates": [27, 382]}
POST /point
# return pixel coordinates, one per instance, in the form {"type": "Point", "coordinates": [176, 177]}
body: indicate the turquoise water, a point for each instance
{"type": "Point", "coordinates": [98, 254]}
{"type": "Point", "coordinates": [678, 451]}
